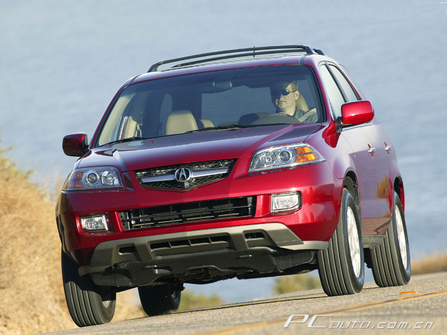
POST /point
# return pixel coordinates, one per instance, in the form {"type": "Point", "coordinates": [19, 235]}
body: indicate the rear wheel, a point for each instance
{"type": "Point", "coordinates": [160, 299]}
{"type": "Point", "coordinates": [341, 265]}
{"type": "Point", "coordinates": [88, 304]}
{"type": "Point", "coordinates": [390, 261]}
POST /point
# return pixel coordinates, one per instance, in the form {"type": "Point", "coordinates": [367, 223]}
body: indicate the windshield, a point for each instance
{"type": "Point", "coordinates": [213, 101]}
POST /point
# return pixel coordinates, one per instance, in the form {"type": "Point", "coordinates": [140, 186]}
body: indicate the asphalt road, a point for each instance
{"type": "Point", "coordinates": [419, 307]}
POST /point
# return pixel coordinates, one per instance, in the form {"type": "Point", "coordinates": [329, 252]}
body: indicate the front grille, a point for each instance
{"type": "Point", "coordinates": [188, 212]}
{"type": "Point", "coordinates": [185, 176]}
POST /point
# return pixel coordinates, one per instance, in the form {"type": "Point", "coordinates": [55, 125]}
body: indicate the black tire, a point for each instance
{"type": "Point", "coordinates": [88, 304]}
{"type": "Point", "coordinates": [160, 299]}
{"type": "Point", "coordinates": [390, 261]}
{"type": "Point", "coordinates": [341, 266]}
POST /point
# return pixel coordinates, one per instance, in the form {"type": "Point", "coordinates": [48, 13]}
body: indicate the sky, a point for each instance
{"type": "Point", "coordinates": [61, 62]}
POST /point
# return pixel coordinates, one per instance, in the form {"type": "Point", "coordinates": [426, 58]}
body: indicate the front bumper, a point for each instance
{"type": "Point", "coordinates": [201, 256]}
{"type": "Point", "coordinates": [105, 254]}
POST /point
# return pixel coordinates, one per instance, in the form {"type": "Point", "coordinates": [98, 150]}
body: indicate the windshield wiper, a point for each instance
{"type": "Point", "coordinates": [128, 139]}
{"type": "Point", "coordinates": [223, 127]}
{"type": "Point", "coordinates": [234, 126]}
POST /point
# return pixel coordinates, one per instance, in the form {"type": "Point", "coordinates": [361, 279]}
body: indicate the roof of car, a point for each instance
{"type": "Point", "coordinates": [229, 59]}
{"type": "Point", "coordinates": [235, 53]}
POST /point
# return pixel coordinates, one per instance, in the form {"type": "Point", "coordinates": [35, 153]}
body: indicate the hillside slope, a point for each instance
{"type": "Point", "coordinates": [31, 296]}
{"type": "Point", "coordinates": [31, 292]}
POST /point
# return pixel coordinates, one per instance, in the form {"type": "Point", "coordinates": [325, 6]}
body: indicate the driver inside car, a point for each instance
{"type": "Point", "coordinates": [287, 100]}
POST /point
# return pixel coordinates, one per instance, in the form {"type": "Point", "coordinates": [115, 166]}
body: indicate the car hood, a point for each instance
{"type": "Point", "coordinates": [195, 147]}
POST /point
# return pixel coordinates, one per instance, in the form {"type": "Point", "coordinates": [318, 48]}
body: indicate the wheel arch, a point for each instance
{"type": "Point", "coordinates": [350, 183]}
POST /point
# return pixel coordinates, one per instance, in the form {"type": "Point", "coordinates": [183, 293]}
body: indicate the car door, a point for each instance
{"type": "Point", "coordinates": [381, 149]}
{"type": "Point", "coordinates": [340, 91]}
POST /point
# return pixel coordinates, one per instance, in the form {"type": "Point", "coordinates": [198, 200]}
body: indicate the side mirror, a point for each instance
{"type": "Point", "coordinates": [75, 144]}
{"type": "Point", "coordinates": [356, 112]}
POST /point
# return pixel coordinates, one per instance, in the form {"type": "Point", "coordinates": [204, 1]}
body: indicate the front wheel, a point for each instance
{"type": "Point", "coordinates": [160, 299]}
{"type": "Point", "coordinates": [341, 265]}
{"type": "Point", "coordinates": [88, 304]}
{"type": "Point", "coordinates": [390, 261]}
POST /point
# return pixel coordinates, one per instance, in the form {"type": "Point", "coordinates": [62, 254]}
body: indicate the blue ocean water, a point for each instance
{"type": "Point", "coordinates": [61, 62]}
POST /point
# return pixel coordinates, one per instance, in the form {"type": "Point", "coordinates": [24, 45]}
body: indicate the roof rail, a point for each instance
{"type": "Point", "coordinates": [234, 53]}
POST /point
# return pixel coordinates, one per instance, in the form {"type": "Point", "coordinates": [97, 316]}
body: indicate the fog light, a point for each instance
{"type": "Point", "coordinates": [94, 223]}
{"type": "Point", "coordinates": [285, 201]}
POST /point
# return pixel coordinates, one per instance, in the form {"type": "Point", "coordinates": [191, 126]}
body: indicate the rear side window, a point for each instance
{"type": "Point", "coordinates": [335, 96]}
{"type": "Point", "coordinates": [351, 95]}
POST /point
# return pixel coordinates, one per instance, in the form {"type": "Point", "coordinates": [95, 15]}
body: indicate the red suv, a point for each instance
{"type": "Point", "coordinates": [241, 163]}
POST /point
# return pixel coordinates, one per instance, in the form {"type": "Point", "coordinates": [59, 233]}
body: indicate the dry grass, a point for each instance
{"type": "Point", "coordinates": [31, 293]}
{"type": "Point", "coordinates": [191, 300]}
{"type": "Point", "coordinates": [430, 264]}
{"type": "Point", "coordinates": [31, 297]}
{"type": "Point", "coordinates": [295, 283]}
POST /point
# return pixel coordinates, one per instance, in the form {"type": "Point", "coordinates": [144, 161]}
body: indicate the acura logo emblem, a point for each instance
{"type": "Point", "coordinates": [183, 174]}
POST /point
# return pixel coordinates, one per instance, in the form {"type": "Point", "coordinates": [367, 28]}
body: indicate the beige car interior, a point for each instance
{"type": "Point", "coordinates": [182, 121]}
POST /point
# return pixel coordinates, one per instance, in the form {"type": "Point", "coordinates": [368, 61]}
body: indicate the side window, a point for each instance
{"type": "Point", "coordinates": [335, 96]}
{"type": "Point", "coordinates": [346, 87]}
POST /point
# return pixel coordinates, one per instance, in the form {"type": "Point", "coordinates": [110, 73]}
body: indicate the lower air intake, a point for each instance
{"type": "Point", "coordinates": [188, 212]}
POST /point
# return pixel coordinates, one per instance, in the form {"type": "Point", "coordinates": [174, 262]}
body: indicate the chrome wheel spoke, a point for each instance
{"type": "Point", "coordinates": [353, 241]}
{"type": "Point", "coordinates": [401, 238]}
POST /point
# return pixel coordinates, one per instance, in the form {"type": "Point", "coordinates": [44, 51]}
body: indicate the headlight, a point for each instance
{"type": "Point", "coordinates": [284, 156]}
{"type": "Point", "coordinates": [95, 178]}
